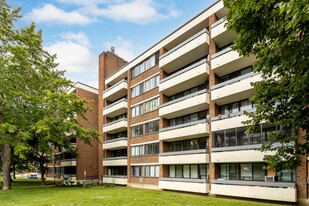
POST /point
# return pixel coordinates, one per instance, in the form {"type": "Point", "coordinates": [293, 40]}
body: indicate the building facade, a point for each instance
{"type": "Point", "coordinates": [172, 118]}
{"type": "Point", "coordinates": [64, 166]}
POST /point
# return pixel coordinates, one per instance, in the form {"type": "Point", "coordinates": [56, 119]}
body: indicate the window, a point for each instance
{"type": "Point", "coordinates": [239, 136]}
{"type": "Point", "coordinates": [188, 171]}
{"type": "Point", "coordinates": [190, 144]}
{"type": "Point", "coordinates": [145, 86]}
{"type": "Point", "coordinates": [147, 149]}
{"type": "Point", "coordinates": [145, 107]}
{"type": "Point", "coordinates": [286, 175]}
{"type": "Point", "coordinates": [189, 91]}
{"type": "Point", "coordinates": [236, 74]}
{"type": "Point", "coordinates": [189, 118]}
{"type": "Point", "coordinates": [236, 107]}
{"type": "Point", "coordinates": [145, 171]}
{"type": "Point", "coordinates": [243, 171]}
{"type": "Point", "coordinates": [145, 65]}
{"type": "Point", "coordinates": [146, 128]}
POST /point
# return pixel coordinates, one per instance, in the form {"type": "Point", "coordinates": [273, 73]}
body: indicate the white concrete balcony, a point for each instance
{"type": "Point", "coordinates": [188, 104]}
{"type": "Point", "coordinates": [191, 76]}
{"type": "Point", "coordinates": [182, 184]}
{"type": "Point", "coordinates": [113, 144]}
{"type": "Point", "coordinates": [185, 131]}
{"type": "Point", "coordinates": [116, 126]}
{"type": "Point", "coordinates": [115, 179]}
{"type": "Point", "coordinates": [234, 89]}
{"type": "Point", "coordinates": [220, 34]}
{"type": "Point", "coordinates": [115, 161]}
{"type": "Point", "coordinates": [275, 191]}
{"type": "Point", "coordinates": [188, 51]}
{"type": "Point", "coordinates": [115, 109]}
{"type": "Point", "coordinates": [68, 162]}
{"type": "Point", "coordinates": [184, 157]}
{"type": "Point", "coordinates": [116, 91]}
{"type": "Point", "coordinates": [227, 61]}
{"type": "Point", "coordinates": [238, 154]}
{"type": "Point", "coordinates": [232, 120]}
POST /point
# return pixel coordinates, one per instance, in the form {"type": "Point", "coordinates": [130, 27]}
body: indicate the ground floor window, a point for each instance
{"type": "Point", "coordinates": [252, 172]}
{"type": "Point", "coordinates": [189, 171]}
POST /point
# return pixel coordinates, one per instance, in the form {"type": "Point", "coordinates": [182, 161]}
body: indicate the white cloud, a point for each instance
{"type": "Point", "coordinates": [51, 14]}
{"type": "Point", "coordinates": [123, 48]}
{"type": "Point", "coordinates": [73, 53]}
{"type": "Point", "coordinates": [134, 11]}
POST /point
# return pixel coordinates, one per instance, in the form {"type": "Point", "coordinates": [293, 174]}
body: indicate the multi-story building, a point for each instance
{"type": "Point", "coordinates": [172, 118]}
{"type": "Point", "coordinates": [85, 164]}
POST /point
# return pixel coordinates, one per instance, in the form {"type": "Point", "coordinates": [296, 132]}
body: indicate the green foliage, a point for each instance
{"type": "Point", "coordinates": [276, 32]}
{"type": "Point", "coordinates": [36, 110]}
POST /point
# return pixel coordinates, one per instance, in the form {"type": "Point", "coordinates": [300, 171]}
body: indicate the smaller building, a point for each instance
{"type": "Point", "coordinates": [64, 166]}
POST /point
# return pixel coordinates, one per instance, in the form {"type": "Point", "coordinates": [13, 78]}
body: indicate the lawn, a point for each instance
{"type": "Point", "coordinates": [31, 193]}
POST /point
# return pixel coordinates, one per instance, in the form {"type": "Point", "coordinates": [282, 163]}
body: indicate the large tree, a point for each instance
{"type": "Point", "coordinates": [36, 111]}
{"type": "Point", "coordinates": [276, 32]}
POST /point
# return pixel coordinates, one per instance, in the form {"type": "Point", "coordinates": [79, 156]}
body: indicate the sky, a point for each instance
{"type": "Point", "coordinates": [78, 31]}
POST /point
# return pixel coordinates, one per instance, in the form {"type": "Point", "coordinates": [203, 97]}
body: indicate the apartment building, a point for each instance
{"type": "Point", "coordinates": [65, 166]}
{"type": "Point", "coordinates": [172, 118]}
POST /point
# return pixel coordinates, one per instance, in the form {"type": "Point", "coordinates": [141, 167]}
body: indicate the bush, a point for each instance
{"type": "Point", "coordinates": [69, 183]}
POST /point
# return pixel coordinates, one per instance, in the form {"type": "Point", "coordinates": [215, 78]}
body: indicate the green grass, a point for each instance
{"type": "Point", "coordinates": [69, 196]}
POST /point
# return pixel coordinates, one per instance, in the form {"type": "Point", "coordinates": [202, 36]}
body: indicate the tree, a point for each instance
{"type": "Point", "coordinates": [36, 111]}
{"type": "Point", "coordinates": [276, 32]}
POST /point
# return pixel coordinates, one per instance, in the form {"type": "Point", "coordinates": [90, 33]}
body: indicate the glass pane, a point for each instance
{"type": "Point", "coordinates": [179, 171]}
{"type": "Point", "coordinates": [245, 171]}
{"type": "Point", "coordinates": [219, 139]}
{"type": "Point", "coordinates": [258, 172]}
{"type": "Point", "coordinates": [245, 105]}
{"type": "Point", "coordinates": [202, 170]}
{"type": "Point", "coordinates": [186, 171]}
{"type": "Point", "coordinates": [235, 107]}
{"type": "Point", "coordinates": [171, 171]}
{"type": "Point", "coordinates": [194, 173]}
{"type": "Point", "coordinates": [194, 117]}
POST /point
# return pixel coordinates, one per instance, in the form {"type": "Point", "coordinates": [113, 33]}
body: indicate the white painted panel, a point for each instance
{"type": "Point", "coordinates": [184, 159]}
{"type": "Point", "coordinates": [115, 126]}
{"type": "Point", "coordinates": [228, 123]}
{"type": "Point", "coordinates": [238, 156]}
{"type": "Point", "coordinates": [117, 181]}
{"type": "Point", "coordinates": [115, 144]}
{"type": "Point", "coordinates": [116, 162]}
{"type": "Point", "coordinates": [185, 186]}
{"type": "Point", "coordinates": [266, 193]}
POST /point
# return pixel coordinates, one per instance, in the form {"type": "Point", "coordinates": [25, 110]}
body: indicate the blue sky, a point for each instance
{"type": "Point", "coordinates": [79, 30]}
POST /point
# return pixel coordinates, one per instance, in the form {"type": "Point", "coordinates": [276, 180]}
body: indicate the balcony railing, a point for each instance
{"type": "Point", "coordinates": [231, 115]}
{"type": "Point", "coordinates": [184, 43]}
{"type": "Point", "coordinates": [232, 81]}
{"type": "Point", "coordinates": [183, 125]}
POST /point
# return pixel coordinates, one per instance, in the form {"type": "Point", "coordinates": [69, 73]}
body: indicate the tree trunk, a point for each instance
{"type": "Point", "coordinates": [42, 168]}
{"type": "Point", "coordinates": [6, 158]}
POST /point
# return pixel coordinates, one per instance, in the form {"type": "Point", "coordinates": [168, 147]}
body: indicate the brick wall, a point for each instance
{"type": "Point", "coordinates": [87, 154]}
{"type": "Point", "coordinates": [109, 63]}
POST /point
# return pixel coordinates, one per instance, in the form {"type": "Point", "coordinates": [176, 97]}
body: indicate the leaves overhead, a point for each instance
{"type": "Point", "coordinates": [276, 32]}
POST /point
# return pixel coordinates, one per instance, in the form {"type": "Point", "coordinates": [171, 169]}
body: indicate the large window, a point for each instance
{"type": "Point", "coordinates": [239, 136]}
{"type": "Point", "coordinates": [145, 107]}
{"type": "Point", "coordinates": [286, 175]}
{"type": "Point", "coordinates": [189, 118]}
{"type": "Point", "coordinates": [236, 74]}
{"type": "Point", "coordinates": [190, 144]}
{"type": "Point", "coordinates": [145, 65]}
{"type": "Point", "coordinates": [145, 171]}
{"type": "Point", "coordinates": [118, 135]}
{"type": "Point", "coordinates": [189, 91]}
{"type": "Point", "coordinates": [237, 106]}
{"type": "Point", "coordinates": [118, 153]}
{"type": "Point", "coordinates": [188, 171]}
{"type": "Point", "coordinates": [145, 86]}
{"type": "Point", "coordinates": [146, 149]}
{"type": "Point", "coordinates": [117, 170]}
{"type": "Point", "coordinates": [146, 128]}
{"type": "Point", "coordinates": [244, 171]}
